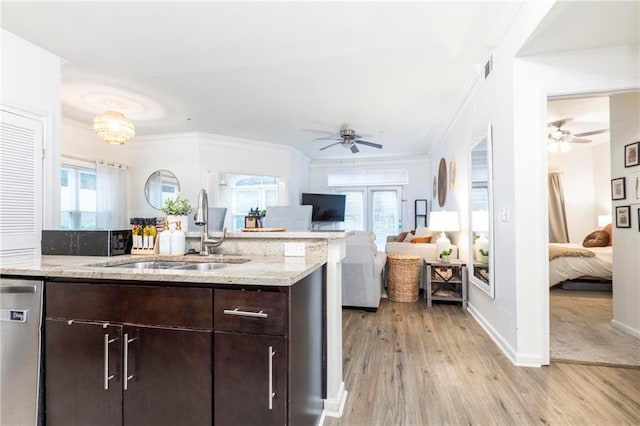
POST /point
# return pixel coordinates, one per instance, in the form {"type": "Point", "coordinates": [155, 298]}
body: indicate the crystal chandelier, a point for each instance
{"type": "Point", "coordinates": [114, 128]}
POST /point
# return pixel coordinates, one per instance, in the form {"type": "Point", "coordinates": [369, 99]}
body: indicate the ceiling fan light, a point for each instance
{"type": "Point", "coordinates": [564, 146]}
{"type": "Point", "coordinates": [114, 128]}
{"type": "Point", "coordinates": [556, 135]}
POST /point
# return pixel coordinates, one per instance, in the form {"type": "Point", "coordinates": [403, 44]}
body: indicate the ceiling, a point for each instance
{"type": "Point", "coordinates": [280, 72]}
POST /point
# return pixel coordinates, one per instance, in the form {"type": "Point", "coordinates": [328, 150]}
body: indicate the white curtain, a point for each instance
{"type": "Point", "coordinates": [111, 192]}
{"type": "Point", "coordinates": [558, 230]}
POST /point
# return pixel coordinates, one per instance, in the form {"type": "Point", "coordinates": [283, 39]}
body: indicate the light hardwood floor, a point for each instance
{"type": "Point", "coordinates": [409, 365]}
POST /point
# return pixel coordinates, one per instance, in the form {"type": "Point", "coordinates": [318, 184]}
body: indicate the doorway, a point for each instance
{"type": "Point", "coordinates": [581, 297]}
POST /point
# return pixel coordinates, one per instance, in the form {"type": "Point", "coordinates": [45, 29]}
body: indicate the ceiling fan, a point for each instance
{"type": "Point", "coordinates": [348, 139]}
{"type": "Point", "coordinates": [561, 135]}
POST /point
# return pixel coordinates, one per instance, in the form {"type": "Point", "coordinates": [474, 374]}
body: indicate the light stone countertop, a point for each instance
{"type": "Point", "coordinates": [260, 270]}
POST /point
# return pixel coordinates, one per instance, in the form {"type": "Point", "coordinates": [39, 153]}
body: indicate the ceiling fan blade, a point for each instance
{"type": "Point", "coordinates": [374, 145]}
{"type": "Point", "coordinates": [578, 140]}
{"type": "Point", "coordinates": [354, 148]}
{"type": "Point", "coordinates": [329, 146]}
{"type": "Point", "coordinates": [591, 133]}
{"type": "Point", "coordinates": [328, 139]}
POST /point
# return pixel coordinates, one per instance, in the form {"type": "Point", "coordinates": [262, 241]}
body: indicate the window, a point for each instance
{"type": "Point", "coordinates": [77, 197]}
{"type": "Point", "coordinates": [245, 192]}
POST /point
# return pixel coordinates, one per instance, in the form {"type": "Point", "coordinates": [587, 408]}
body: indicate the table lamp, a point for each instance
{"type": "Point", "coordinates": [443, 221]}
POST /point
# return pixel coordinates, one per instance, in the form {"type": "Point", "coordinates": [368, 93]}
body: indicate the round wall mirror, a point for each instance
{"type": "Point", "coordinates": [161, 185]}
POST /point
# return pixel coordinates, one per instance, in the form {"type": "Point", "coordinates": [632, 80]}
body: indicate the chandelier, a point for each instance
{"type": "Point", "coordinates": [114, 128]}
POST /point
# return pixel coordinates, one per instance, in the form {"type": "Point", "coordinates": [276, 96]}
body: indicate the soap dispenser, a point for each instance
{"type": "Point", "coordinates": [178, 240]}
{"type": "Point", "coordinates": [164, 239]}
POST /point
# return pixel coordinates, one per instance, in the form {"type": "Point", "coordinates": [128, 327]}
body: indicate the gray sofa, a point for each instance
{"type": "Point", "coordinates": [362, 277]}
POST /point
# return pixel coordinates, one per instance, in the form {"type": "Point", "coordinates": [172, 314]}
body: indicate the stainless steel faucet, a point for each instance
{"type": "Point", "coordinates": [202, 219]}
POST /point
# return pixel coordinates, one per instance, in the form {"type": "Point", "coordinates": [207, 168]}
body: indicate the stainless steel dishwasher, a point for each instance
{"type": "Point", "coordinates": [20, 325]}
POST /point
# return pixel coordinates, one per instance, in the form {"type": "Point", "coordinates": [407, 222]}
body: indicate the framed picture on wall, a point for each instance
{"type": "Point", "coordinates": [632, 154]}
{"type": "Point", "coordinates": [623, 217]}
{"type": "Point", "coordinates": [618, 190]}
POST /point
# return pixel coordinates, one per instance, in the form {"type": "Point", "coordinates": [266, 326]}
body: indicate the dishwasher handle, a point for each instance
{"type": "Point", "coordinates": [17, 289]}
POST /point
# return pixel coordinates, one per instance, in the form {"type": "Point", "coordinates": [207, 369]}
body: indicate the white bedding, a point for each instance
{"type": "Point", "coordinates": [569, 268]}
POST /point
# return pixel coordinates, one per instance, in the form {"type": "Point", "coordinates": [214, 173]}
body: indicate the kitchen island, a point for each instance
{"type": "Point", "coordinates": [257, 318]}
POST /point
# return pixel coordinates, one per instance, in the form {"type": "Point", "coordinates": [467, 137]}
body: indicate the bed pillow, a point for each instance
{"type": "Point", "coordinates": [596, 239]}
{"type": "Point", "coordinates": [607, 229]}
{"type": "Point", "coordinates": [416, 240]}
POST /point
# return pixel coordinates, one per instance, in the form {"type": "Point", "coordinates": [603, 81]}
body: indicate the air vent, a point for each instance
{"type": "Point", "coordinates": [488, 67]}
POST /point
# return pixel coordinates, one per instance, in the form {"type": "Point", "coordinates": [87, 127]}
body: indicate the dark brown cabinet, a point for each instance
{"type": "Point", "coordinates": [268, 354]}
{"type": "Point", "coordinates": [126, 363]}
{"type": "Point", "coordinates": [119, 353]}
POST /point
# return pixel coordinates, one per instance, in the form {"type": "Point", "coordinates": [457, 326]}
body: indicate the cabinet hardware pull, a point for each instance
{"type": "Point", "coordinates": [107, 377]}
{"type": "Point", "coordinates": [237, 311]}
{"type": "Point", "coordinates": [271, 392]}
{"type": "Point", "coordinates": [127, 377]}
{"type": "Point", "coordinates": [17, 289]}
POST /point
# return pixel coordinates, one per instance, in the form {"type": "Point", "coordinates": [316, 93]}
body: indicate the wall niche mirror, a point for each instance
{"type": "Point", "coordinates": [481, 241]}
{"type": "Point", "coordinates": [160, 186]}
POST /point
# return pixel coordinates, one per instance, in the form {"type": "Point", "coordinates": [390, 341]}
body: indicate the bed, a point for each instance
{"type": "Point", "coordinates": [573, 262]}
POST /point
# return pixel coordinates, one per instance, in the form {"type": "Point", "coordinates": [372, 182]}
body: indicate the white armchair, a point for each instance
{"type": "Point", "coordinates": [362, 277]}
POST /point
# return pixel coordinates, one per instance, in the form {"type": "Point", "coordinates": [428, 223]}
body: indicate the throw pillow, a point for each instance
{"type": "Point", "coordinates": [408, 238]}
{"type": "Point", "coordinates": [401, 237]}
{"type": "Point", "coordinates": [596, 239]}
{"type": "Point", "coordinates": [421, 240]}
{"type": "Point", "coordinates": [608, 230]}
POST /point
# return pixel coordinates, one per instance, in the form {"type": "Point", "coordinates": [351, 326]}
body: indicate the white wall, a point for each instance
{"type": "Point", "coordinates": [625, 129]}
{"type": "Point", "coordinates": [30, 84]}
{"type": "Point", "coordinates": [198, 158]}
{"type": "Point", "coordinates": [602, 179]}
{"type": "Point", "coordinates": [417, 168]}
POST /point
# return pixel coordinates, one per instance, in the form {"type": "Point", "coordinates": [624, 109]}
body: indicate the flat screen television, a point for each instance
{"type": "Point", "coordinates": [326, 207]}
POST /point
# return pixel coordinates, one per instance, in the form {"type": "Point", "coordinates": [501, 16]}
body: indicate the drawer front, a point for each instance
{"type": "Point", "coordinates": [93, 302]}
{"type": "Point", "coordinates": [256, 312]}
{"type": "Point", "coordinates": [130, 304]}
{"type": "Point", "coordinates": [168, 307]}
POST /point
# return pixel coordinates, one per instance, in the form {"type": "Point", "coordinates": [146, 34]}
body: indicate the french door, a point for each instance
{"type": "Point", "coordinates": [376, 209]}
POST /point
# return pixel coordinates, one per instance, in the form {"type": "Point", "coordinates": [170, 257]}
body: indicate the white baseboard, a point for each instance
{"type": "Point", "coordinates": [625, 328]}
{"type": "Point", "coordinates": [521, 360]}
{"type": "Point", "coordinates": [334, 406]}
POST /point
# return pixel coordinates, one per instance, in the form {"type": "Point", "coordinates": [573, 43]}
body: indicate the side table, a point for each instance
{"type": "Point", "coordinates": [446, 281]}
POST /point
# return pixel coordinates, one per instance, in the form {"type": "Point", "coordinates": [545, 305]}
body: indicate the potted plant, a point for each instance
{"type": "Point", "coordinates": [445, 255]}
{"type": "Point", "coordinates": [177, 210]}
{"type": "Point", "coordinates": [484, 255]}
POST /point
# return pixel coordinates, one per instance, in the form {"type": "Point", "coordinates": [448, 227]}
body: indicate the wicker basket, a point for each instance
{"type": "Point", "coordinates": [403, 277]}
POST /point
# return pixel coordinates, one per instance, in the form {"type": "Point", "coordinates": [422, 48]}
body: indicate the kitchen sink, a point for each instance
{"type": "Point", "coordinates": [149, 265]}
{"type": "Point", "coordinates": [212, 263]}
{"type": "Point", "coordinates": [201, 266]}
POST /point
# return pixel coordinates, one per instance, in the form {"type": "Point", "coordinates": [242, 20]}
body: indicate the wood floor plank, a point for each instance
{"type": "Point", "coordinates": [410, 365]}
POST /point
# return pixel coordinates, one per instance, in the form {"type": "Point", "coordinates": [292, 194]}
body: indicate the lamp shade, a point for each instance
{"type": "Point", "coordinates": [114, 128]}
{"type": "Point", "coordinates": [444, 221]}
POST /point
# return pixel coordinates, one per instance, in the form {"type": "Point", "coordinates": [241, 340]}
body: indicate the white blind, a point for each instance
{"type": "Point", "coordinates": [20, 184]}
{"type": "Point", "coordinates": [367, 177]}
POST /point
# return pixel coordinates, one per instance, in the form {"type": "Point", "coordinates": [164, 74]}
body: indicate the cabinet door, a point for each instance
{"type": "Point", "coordinates": [250, 379]}
{"type": "Point", "coordinates": [83, 373]}
{"type": "Point", "coordinates": [169, 377]}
